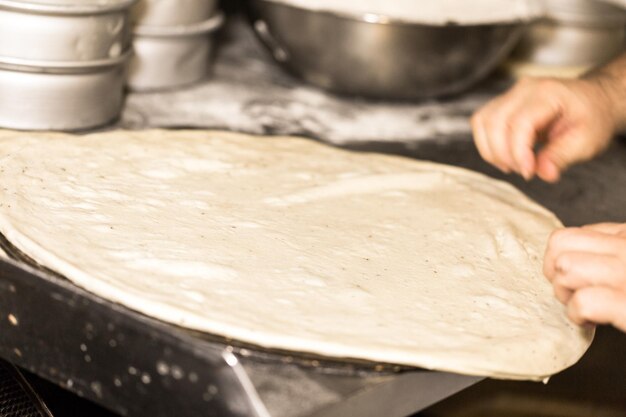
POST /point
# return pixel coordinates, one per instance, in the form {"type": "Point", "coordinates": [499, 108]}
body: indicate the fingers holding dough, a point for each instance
{"type": "Point", "coordinates": [618, 229]}
{"type": "Point", "coordinates": [583, 269]}
{"type": "Point", "coordinates": [578, 240]}
{"type": "Point", "coordinates": [598, 305]}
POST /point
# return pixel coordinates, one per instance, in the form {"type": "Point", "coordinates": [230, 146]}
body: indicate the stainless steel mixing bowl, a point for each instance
{"type": "Point", "coordinates": [377, 57]}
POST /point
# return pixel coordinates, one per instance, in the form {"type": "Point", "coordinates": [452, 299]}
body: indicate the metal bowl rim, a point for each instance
{"type": "Point", "coordinates": [381, 19]}
{"type": "Point", "coordinates": [66, 9]}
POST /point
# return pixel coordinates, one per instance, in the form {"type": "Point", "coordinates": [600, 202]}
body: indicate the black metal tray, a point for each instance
{"type": "Point", "coordinates": [138, 366]}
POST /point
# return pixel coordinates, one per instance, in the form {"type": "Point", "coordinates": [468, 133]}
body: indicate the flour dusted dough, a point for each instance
{"type": "Point", "coordinates": [290, 244]}
{"type": "Point", "coordinates": [437, 12]}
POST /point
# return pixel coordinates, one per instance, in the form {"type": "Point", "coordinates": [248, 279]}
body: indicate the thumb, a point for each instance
{"type": "Point", "coordinates": [562, 152]}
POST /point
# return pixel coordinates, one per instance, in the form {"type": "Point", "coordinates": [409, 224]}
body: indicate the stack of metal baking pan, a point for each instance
{"type": "Point", "coordinates": [575, 33]}
{"type": "Point", "coordinates": [62, 62]}
{"type": "Point", "coordinates": [172, 42]}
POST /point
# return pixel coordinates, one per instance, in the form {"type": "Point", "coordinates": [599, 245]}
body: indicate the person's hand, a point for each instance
{"type": "Point", "coordinates": [574, 119]}
{"type": "Point", "coordinates": [587, 268]}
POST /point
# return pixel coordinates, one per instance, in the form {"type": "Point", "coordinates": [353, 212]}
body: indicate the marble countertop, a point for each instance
{"type": "Point", "coordinates": [249, 93]}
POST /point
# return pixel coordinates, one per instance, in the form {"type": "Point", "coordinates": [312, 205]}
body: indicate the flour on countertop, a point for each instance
{"type": "Point", "coordinates": [249, 93]}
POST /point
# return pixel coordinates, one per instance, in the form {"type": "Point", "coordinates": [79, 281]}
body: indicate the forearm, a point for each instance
{"type": "Point", "coordinates": [611, 78]}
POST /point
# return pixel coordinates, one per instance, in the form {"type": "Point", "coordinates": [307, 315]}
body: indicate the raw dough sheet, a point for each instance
{"type": "Point", "coordinates": [287, 243]}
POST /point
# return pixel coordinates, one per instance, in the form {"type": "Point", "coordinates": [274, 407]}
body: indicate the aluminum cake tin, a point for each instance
{"type": "Point", "coordinates": [173, 12]}
{"type": "Point", "coordinates": [86, 7]}
{"type": "Point", "coordinates": [172, 57]}
{"type": "Point", "coordinates": [63, 30]}
{"type": "Point", "coordinates": [575, 34]}
{"type": "Point", "coordinates": [68, 96]}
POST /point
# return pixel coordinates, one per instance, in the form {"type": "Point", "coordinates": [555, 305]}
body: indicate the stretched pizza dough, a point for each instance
{"type": "Point", "coordinates": [286, 243]}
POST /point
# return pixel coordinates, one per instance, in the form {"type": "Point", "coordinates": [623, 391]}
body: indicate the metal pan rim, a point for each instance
{"type": "Point", "coordinates": [26, 65]}
{"type": "Point", "coordinates": [205, 27]}
{"type": "Point", "coordinates": [65, 9]}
